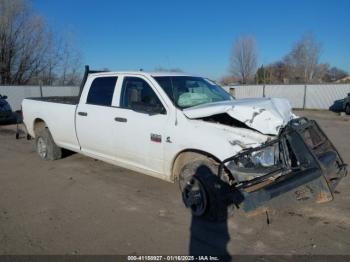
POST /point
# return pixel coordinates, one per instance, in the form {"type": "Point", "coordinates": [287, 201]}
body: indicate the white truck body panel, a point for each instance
{"type": "Point", "coordinates": [129, 144]}
{"type": "Point", "coordinates": [59, 117]}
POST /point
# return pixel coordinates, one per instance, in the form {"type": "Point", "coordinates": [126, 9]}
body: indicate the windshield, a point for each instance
{"type": "Point", "coordinates": [188, 91]}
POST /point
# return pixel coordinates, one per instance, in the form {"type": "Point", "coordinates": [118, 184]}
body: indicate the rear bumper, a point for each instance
{"type": "Point", "coordinates": [317, 170]}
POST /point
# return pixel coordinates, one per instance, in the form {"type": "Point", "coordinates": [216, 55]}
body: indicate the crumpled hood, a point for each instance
{"type": "Point", "coordinates": [266, 115]}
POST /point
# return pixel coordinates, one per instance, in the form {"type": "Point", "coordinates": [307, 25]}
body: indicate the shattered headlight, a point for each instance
{"type": "Point", "coordinates": [255, 163]}
{"type": "Point", "coordinates": [265, 157]}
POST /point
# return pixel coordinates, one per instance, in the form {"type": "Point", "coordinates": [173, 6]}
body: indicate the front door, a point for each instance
{"type": "Point", "coordinates": [141, 122]}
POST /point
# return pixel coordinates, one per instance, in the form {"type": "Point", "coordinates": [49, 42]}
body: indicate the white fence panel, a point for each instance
{"type": "Point", "coordinates": [248, 91]}
{"type": "Point", "coordinates": [325, 96]}
{"type": "Point", "coordinates": [60, 90]}
{"type": "Point", "coordinates": [294, 93]}
{"type": "Point", "coordinates": [16, 94]}
{"type": "Point", "coordinates": [321, 96]}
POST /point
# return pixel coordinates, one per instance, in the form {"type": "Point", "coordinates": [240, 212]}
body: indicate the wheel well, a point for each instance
{"type": "Point", "coordinates": [38, 125]}
{"type": "Point", "coordinates": [186, 156]}
{"type": "Point", "coordinates": [346, 105]}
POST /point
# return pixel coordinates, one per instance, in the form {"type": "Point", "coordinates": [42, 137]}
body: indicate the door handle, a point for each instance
{"type": "Point", "coordinates": [121, 119]}
{"type": "Point", "coordinates": [82, 113]}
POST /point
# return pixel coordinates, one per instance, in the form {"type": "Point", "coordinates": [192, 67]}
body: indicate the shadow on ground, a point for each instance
{"type": "Point", "coordinates": [209, 235]}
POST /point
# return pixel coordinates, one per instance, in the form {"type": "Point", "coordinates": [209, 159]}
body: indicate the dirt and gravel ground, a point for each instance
{"type": "Point", "coordinates": [78, 205]}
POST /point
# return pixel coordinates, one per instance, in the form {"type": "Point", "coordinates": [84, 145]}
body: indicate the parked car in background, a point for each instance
{"type": "Point", "coordinates": [6, 114]}
{"type": "Point", "coordinates": [346, 104]}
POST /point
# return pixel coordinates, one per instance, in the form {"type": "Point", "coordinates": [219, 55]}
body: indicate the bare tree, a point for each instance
{"type": "Point", "coordinates": [301, 65]}
{"type": "Point", "coordinates": [279, 72]}
{"type": "Point", "coordinates": [24, 42]}
{"type": "Point", "coordinates": [69, 68]}
{"type": "Point", "coordinates": [29, 51]}
{"type": "Point", "coordinates": [303, 59]}
{"type": "Point", "coordinates": [228, 80]}
{"type": "Point", "coordinates": [244, 58]}
{"type": "Point", "coordinates": [333, 74]}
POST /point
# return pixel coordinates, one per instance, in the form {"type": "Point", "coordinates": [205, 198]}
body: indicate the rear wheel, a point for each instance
{"type": "Point", "coordinates": [347, 109]}
{"type": "Point", "coordinates": [204, 192]}
{"type": "Point", "coordinates": [46, 147]}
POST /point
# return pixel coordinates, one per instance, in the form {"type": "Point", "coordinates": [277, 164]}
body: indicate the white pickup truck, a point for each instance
{"type": "Point", "coordinates": [224, 153]}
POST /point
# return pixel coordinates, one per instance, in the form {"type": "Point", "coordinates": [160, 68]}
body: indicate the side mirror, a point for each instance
{"type": "Point", "coordinates": [4, 97]}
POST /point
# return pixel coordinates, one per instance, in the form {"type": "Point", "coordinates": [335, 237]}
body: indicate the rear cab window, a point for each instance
{"type": "Point", "coordinates": [101, 91]}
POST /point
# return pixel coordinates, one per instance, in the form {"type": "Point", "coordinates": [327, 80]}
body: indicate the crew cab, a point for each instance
{"type": "Point", "coordinates": [224, 153]}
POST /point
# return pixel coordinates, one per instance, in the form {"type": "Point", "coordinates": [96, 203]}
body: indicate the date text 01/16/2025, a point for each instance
{"type": "Point", "coordinates": [173, 258]}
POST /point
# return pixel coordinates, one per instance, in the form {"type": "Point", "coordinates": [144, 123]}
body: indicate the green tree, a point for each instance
{"type": "Point", "coordinates": [263, 76]}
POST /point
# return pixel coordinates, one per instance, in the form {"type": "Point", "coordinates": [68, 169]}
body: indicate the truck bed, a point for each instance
{"type": "Point", "coordinates": [58, 113]}
{"type": "Point", "coordinates": [71, 100]}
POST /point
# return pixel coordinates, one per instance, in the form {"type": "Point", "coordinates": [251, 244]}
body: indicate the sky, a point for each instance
{"type": "Point", "coordinates": [196, 36]}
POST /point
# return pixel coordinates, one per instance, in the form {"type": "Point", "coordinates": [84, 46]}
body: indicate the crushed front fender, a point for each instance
{"type": "Point", "coordinates": [306, 166]}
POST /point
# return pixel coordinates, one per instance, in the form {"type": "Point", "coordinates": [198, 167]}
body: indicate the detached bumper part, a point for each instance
{"type": "Point", "coordinates": [310, 186]}
{"type": "Point", "coordinates": [305, 166]}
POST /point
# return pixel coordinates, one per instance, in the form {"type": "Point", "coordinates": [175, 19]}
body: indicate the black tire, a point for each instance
{"type": "Point", "coordinates": [347, 109]}
{"type": "Point", "coordinates": [44, 139]}
{"type": "Point", "coordinates": [212, 198]}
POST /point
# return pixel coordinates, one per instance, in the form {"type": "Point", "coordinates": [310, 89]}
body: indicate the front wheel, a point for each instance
{"type": "Point", "coordinates": [204, 192]}
{"type": "Point", "coordinates": [46, 147]}
{"type": "Point", "coordinates": [194, 196]}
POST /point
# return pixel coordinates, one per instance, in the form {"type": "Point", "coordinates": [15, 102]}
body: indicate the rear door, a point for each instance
{"type": "Point", "coordinates": [95, 117]}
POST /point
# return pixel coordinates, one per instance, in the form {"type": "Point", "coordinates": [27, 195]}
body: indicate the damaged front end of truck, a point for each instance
{"type": "Point", "coordinates": [301, 161]}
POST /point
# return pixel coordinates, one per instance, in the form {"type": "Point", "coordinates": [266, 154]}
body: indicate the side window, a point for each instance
{"type": "Point", "coordinates": [101, 91]}
{"type": "Point", "coordinates": [139, 96]}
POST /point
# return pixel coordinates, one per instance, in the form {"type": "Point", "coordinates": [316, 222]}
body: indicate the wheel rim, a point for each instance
{"type": "Point", "coordinates": [42, 148]}
{"type": "Point", "coordinates": [194, 196]}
